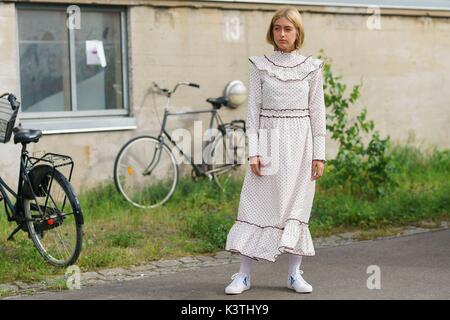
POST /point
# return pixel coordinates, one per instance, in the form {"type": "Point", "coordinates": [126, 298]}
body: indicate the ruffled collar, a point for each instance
{"type": "Point", "coordinates": [286, 59]}
{"type": "Point", "coordinates": [287, 66]}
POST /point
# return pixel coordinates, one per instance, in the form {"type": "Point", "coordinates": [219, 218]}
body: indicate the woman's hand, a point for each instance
{"type": "Point", "coordinates": [317, 169]}
{"type": "Point", "coordinates": [255, 165]}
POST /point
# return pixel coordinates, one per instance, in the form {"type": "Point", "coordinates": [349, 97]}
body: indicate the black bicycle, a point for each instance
{"type": "Point", "coordinates": [146, 170]}
{"type": "Point", "coordinates": [45, 205]}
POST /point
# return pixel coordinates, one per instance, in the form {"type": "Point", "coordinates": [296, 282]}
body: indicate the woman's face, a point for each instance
{"type": "Point", "coordinates": [284, 34]}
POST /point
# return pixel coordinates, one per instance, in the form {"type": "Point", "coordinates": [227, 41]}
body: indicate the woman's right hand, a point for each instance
{"type": "Point", "coordinates": [255, 165]}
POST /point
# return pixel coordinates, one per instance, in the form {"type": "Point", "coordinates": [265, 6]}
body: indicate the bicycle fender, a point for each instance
{"type": "Point", "coordinates": [40, 179]}
{"type": "Point", "coordinates": [39, 182]}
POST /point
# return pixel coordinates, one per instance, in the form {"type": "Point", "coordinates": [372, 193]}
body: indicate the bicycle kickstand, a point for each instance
{"type": "Point", "coordinates": [11, 236]}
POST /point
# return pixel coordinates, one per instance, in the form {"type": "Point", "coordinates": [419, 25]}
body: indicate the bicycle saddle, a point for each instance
{"type": "Point", "coordinates": [22, 135]}
{"type": "Point", "coordinates": [218, 102]}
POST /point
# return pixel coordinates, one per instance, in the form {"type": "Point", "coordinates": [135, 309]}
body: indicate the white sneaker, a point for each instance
{"type": "Point", "coordinates": [240, 283]}
{"type": "Point", "coordinates": [297, 283]}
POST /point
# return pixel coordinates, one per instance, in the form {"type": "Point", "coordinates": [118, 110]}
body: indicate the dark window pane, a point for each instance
{"type": "Point", "coordinates": [44, 61]}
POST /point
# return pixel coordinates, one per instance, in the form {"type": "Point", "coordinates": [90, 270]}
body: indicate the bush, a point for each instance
{"type": "Point", "coordinates": [365, 170]}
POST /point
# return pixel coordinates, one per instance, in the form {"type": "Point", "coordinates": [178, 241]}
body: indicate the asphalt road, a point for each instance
{"type": "Point", "coordinates": [410, 267]}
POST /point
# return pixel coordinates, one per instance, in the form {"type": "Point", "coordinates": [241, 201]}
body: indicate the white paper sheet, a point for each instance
{"type": "Point", "coordinates": [95, 53]}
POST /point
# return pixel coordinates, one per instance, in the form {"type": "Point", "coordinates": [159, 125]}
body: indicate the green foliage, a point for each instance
{"type": "Point", "coordinates": [365, 169]}
{"type": "Point", "coordinates": [423, 193]}
{"type": "Point", "coordinates": [210, 229]}
{"type": "Point", "coordinates": [198, 218]}
{"type": "Point", "coordinates": [124, 239]}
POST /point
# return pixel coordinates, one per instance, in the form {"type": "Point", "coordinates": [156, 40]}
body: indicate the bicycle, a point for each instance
{"type": "Point", "coordinates": [46, 206]}
{"type": "Point", "coordinates": [146, 172]}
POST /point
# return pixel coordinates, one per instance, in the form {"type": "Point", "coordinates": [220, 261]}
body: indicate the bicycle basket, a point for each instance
{"type": "Point", "coordinates": [8, 114]}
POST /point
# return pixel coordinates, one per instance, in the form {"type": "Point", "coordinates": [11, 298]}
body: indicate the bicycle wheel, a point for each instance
{"type": "Point", "coordinates": [228, 153]}
{"type": "Point", "coordinates": [145, 172]}
{"type": "Point", "coordinates": [55, 220]}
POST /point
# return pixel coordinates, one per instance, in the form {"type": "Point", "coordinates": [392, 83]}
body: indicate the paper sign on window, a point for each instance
{"type": "Point", "coordinates": [95, 54]}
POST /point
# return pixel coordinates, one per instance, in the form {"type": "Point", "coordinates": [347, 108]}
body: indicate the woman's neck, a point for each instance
{"type": "Point", "coordinates": [286, 51]}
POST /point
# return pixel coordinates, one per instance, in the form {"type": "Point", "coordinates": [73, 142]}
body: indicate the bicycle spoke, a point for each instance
{"type": "Point", "coordinates": [55, 232]}
{"type": "Point", "coordinates": [145, 190]}
{"type": "Point", "coordinates": [58, 232]}
{"type": "Point", "coordinates": [134, 164]}
{"type": "Point", "coordinates": [226, 164]}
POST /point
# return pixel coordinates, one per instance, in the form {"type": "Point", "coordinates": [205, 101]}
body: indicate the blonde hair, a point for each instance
{"type": "Point", "coordinates": [293, 15]}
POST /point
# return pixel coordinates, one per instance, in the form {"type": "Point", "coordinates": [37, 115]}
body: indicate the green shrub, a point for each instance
{"type": "Point", "coordinates": [364, 169]}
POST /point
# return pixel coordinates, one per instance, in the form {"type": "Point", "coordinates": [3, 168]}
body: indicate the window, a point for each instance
{"type": "Point", "coordinates": [44, 61]}
{"type": "Point", "coordinates": [62, 74]}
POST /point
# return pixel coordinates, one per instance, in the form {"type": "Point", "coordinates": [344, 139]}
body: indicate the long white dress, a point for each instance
{"type": "Point", "coordinates": [286, 126]}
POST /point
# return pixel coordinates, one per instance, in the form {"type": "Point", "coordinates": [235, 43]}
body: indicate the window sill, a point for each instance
{"type": "Point", "coordinates": [75, 125]}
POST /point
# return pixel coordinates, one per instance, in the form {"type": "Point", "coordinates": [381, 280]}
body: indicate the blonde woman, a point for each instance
{"type": "Point", "coordinates": [286, 103]}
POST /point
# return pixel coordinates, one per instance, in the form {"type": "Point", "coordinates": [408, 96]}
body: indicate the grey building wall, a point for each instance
{"type": "Point", "coordinates": [403, 67]}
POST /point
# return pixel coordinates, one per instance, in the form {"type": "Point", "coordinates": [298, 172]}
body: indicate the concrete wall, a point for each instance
{"type": "Point", "coordinates": [403, 67]}
{"type": "Point", "coordinates": [9, 82]}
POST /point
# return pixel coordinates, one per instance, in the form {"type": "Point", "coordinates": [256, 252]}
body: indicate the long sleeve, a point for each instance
{"type": "Point", "coordinates": [317, 113]}
{"type": "Point", "coordinates": [253, 109]}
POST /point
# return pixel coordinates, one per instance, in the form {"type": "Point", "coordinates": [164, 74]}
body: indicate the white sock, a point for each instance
{"type": "Point", "coordinates": [294, 263]}
{"type": "Point", "coordinates": [246, 265]}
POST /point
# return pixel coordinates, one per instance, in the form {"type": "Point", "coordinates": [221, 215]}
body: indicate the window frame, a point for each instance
{"type": "Point", "coordinates": [75, 114]}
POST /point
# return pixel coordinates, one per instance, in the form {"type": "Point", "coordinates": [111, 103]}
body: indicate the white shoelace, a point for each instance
{"type": "Point", "coordinates": [236, 274]}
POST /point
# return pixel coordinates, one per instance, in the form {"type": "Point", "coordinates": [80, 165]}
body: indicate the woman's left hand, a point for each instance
{"type": "Point", "coordinates": [317, 169]}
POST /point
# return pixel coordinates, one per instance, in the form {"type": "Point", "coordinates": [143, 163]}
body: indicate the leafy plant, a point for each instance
{"type": "Point", "coordinates": [364, 169]}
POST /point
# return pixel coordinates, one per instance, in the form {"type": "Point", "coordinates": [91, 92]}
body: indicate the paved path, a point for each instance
{"type": "Point", "coordinates": [411, 267]}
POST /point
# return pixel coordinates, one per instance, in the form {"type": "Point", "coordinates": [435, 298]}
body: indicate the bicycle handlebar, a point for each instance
{"type": "Point", "coordinates": [169, 92]}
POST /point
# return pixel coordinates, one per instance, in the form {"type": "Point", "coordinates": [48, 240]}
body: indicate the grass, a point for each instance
{"type": "Point", "coordinates": [197, 219]}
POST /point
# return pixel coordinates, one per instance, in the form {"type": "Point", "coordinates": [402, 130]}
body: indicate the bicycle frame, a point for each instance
{"type": "Point", "coordinates": [222, 127]}
{"type": "Point", "coordinates": [15, 212]}
{"type": "Point", "coordinates": [6, 198]}
{"type": "Point", "coordinates": [163, 132]}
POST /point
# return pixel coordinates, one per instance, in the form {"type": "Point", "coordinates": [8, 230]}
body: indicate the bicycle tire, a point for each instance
{"type": "Point", "coordinates": [225, 167]}
{"type": "Point", "coordinates": [36, 224]}
{"type": "Point", "coordinates": [140, 191]}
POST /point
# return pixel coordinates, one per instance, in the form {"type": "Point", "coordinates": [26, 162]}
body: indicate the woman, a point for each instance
{"type": "Point", "coordinates": [286, 119]}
